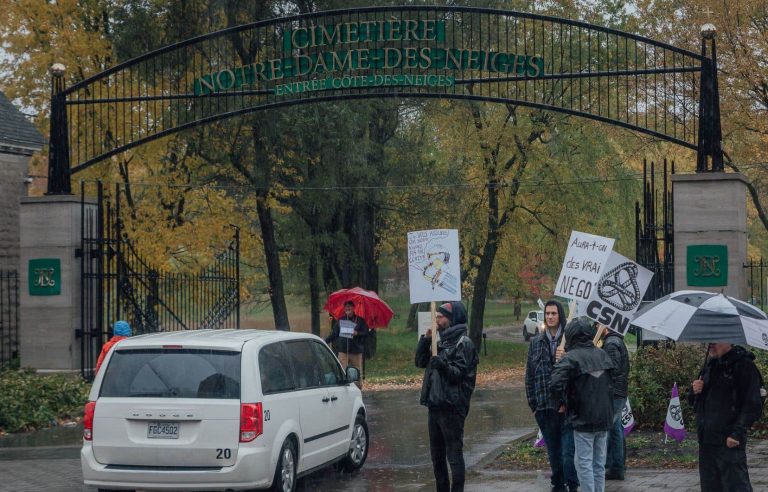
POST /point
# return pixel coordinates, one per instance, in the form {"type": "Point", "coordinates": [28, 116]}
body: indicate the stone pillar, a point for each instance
{"type": "Point", "coordinates": [50, 275]}
{"type": "Point", "coordinates": [710, 225]}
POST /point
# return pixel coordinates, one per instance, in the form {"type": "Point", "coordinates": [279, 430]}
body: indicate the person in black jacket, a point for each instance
{"type": "Point", "coordinates": [449, 380]}
{"type": "Point", "coordinates": [582, 384]}
{"type": "Point", "coordinates": [727, 402]}
{"type": "Point", "coordinates": [350, 348]}
{"type": "Point", "coordinates": [614, 346]}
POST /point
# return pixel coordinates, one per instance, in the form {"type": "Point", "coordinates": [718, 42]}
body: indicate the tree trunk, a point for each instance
{"type": "Point", "coordinates": [314, 294]}
{"type": "Point", "coordinates": [480, 288]}
{"type": "Point", "coordinates": [365, 239]}
{"type": "Point", "coordinates": [274, 272]}
{"type": "Point", "coordinates": [412, 323]}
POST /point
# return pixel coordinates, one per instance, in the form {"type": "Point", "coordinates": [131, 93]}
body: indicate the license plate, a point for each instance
{"type": "Point", "coordinates": [163, 430]}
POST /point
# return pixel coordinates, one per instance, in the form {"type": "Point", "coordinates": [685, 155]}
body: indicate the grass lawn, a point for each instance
{"type": "Point", "coordinates": [497, 313]}
{"type": "Point", "coordinates": [645, 449]}
{"type": "Point", "coordinates": [394, 360]}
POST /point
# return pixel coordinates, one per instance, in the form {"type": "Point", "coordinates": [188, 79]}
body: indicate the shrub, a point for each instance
{"type": "Point", "coordinates": [653, 372]}
{"type": "Point", "coordinates": [32, 401]}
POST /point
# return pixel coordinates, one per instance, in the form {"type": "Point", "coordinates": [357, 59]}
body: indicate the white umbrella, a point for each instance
{"type": "Point", "coordinates": [698, 316]}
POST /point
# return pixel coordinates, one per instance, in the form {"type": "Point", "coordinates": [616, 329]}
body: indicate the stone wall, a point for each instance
{"type": "Point", "coordinates": [13, 170]}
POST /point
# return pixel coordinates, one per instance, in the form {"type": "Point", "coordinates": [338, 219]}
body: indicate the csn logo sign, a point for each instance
{"type": "Point", "coordinates": [619, 292]}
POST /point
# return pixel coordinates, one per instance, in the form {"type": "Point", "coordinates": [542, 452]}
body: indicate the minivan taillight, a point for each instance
{"type": "Point", "coordinates": [88, 412]}
{"type": "Point", "coordinates": [251, 422]}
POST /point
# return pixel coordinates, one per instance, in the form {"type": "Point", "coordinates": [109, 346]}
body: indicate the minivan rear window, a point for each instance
{"type": "Point", "coordinates": [172, 373]}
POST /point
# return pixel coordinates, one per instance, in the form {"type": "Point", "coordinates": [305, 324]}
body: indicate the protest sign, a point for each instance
{"type": "Point", "coordinates": [583, 265]}
{"type": "Point", "coordinates": [433, 265]}
{"type": "Point", "coordinates": [346, 328]}
{"type": "Point", "coordinates": [425, 322]}
{"type": "Point", "coordinates": [618, 293]}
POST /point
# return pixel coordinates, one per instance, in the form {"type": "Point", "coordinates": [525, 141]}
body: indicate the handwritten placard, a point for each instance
{"type": "Point", "coordinates": [583, 265]}
{"type": "Point", "coordinates": [433, 265]}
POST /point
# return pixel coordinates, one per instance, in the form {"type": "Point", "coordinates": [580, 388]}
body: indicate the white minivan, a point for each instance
{"type": "Point", "coordinates": [221, 409]}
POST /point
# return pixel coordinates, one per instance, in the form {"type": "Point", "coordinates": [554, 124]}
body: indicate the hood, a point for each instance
{"type": "Point", "coordinates": [579, 333]}
{"type": "Point", "coordinates": [121, 328]}
{"type": "Point", "coordinates": [452, 334]}
{"type": "Point", "coordinates": [560, 311]}
{"type": "Point", "coordinates": [611, 333]}
{"type": "Point", "coordinates": [737, 353]}
{"type": "Point", "coordinates": [458, 313]}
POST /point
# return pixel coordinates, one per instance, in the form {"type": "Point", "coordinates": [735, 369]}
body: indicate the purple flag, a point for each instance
{"type": "Point", "coordinates": [673, 425]}
{"type": "Point", "coordinates": [539, 442]}
{"type": "Point", "coordinates": [627, 418]}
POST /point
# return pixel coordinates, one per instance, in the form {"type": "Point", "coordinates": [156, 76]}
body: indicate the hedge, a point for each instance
{"type": "Point", "coordinates": [31, 401]}
{"type": "Point", "coordinates": [653, 371]}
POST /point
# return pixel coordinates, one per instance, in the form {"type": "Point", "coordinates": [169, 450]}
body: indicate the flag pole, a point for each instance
{"type": "Point", "coordinates": [433, 327]}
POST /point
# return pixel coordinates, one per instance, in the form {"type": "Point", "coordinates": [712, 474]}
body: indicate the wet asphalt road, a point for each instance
{"type": "Point", "coordinates": [398, 458]}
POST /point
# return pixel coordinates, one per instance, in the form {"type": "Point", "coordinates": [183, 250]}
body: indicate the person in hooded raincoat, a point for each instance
{"type": "Point", "coordinates": [449, 380]}
{"type": "Point", "coordinates": [582, 386]}
{"type": "Point", "coordinates": [727, 401]}
{"type": "Point", "coordinates": [120, 331]}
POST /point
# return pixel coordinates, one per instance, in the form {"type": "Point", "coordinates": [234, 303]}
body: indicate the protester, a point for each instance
{"type": "Point", "coordinates": [449, 380]}
{"type": "Point", "coordinates": [727, 401]}
{"type": "Point", "coordinates": [582, 385]}
{"type": "Point", "coordinates": [558, 434]}
{"type": "Point", "coordinates": [350, 350]}
{"type": "Point", "coordinates": [120, 331]}
{"type": "Point", "coordinates": [613, 344]}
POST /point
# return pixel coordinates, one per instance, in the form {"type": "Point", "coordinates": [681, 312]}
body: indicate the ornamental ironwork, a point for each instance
{"type": "Point", "coordinates": [422, 52]}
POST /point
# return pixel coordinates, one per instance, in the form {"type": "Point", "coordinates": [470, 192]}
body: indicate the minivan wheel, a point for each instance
{"type": "Point", "coordinates": [526, 336]}
{"type": "Point", "coordinates": [285, 473]}
{"type": "Point", "coordinates": [358, 446]}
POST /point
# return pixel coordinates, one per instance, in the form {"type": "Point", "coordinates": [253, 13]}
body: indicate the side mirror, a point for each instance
{"type": "Point", "coordinates": [353, 374]}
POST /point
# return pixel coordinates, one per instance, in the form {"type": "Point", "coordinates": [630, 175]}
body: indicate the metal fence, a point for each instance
{"type": "Point", "coordinates": [654, 238]}
{"type": "Point", "coordinates": [9, 316]}
{"type": "Point", "coordinates": [119, 283]}
{"type": "Point", "coordinates": [756, 282]}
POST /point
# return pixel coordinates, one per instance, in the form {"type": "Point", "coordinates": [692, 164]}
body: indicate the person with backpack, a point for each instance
{"type": "Point", "coordinates": [449, 380]}
{"type": "Point", "coordinates": [727, 401]}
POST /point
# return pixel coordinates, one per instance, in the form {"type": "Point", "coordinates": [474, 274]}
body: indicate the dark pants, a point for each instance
{"type": "Point", "coordinates": [723, 469]}
{"type": "Point", "coordinates": [560, 447]}
{"type": "Point", "coordinates": [446, 443]}
{"type": "Point", "coordinates": [614, 464]}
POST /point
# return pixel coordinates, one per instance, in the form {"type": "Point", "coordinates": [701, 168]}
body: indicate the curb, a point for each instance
{"type": "Point", "coordinates": [491, 456]}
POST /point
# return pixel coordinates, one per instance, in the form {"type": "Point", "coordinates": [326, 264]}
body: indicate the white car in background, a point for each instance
{"type": "Point", "coordinates": [533, 324]}
{"type": "Point", "coordinates": [221, 409]}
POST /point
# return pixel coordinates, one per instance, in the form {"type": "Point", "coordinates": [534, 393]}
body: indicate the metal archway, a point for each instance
{"type": "Point", "coordinates": [425, 52]}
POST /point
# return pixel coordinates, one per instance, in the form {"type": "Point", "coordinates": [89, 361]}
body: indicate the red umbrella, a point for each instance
{"type": "Point", "coordinates": [368, 305]}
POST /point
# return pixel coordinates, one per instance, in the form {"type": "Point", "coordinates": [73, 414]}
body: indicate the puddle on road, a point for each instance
{"type": "Point", "coordinates": [399, 459]}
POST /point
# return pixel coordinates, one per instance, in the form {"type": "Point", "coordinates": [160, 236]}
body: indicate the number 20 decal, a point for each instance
{"type": "Point", "coordinates": [266, 415]}
{"type": "Point", "coordinates": [223, 454]}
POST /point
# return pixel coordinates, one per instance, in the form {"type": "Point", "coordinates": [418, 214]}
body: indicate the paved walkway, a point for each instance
{"type": "Point", "coordinates": [639, 480]}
